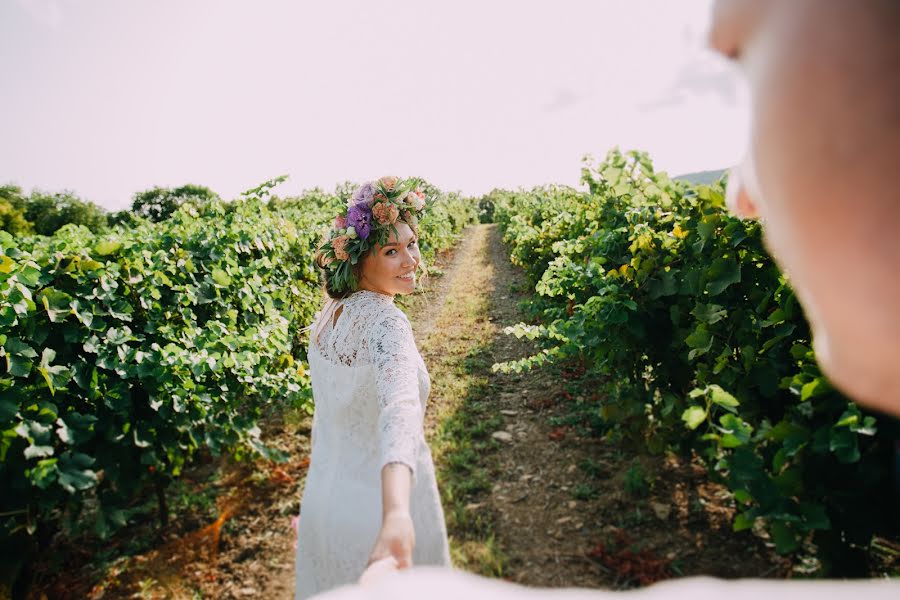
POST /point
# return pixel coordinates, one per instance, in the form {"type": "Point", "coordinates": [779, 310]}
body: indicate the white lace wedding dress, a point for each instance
{"type": "Point", "coordinates": [370, 387]}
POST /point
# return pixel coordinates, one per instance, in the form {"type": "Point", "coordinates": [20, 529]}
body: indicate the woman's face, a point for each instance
{"type": "Point", "coordinates": [391, 269]}
{"type": "Point", "coordinates": [821, 171]}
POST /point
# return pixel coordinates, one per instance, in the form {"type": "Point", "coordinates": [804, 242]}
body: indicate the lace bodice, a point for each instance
{"type": "Point", "coordinates": [367, 329]}
{"type": "Point", "coordinates": [347, 342]}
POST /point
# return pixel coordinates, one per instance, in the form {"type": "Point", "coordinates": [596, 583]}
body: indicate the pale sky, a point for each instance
{"type": "Point", "coordinates": [108, 97]}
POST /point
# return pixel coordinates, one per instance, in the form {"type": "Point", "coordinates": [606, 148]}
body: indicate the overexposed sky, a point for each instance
{"type": "Point", "coordinates": [108, 97]}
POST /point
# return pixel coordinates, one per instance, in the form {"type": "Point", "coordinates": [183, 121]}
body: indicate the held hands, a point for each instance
{"type": "Point", "coordinates": [396, 540]}
{"type": "Point", "coordinates": [378, 569]}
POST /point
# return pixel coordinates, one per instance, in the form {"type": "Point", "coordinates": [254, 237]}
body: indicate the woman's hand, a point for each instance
{"type": "Point", "coordinates": [397, 538]}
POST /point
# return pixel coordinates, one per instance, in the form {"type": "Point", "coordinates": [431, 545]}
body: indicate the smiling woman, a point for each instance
{"type": "Point", "coordinates": [370, 387]}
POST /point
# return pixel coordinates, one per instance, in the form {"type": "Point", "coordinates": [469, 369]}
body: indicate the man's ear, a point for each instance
{"type": "Point", "coordinates": [739, 193]}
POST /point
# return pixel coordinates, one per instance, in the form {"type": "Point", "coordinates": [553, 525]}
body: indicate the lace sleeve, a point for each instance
{"type": "Point", "coordinates": [392, 349]}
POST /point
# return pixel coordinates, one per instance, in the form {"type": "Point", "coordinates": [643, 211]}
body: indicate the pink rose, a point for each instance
{"type": "Point", "coordinates": [340, 222]}
{"type": "Point", "coordinates": [416, 199]}
{"type": "Point", "coordinates": [339, 244]}
{"type": "Point", "coordinates": [385, 213]}
{"type": "Point", "coordinates": [388, 183]}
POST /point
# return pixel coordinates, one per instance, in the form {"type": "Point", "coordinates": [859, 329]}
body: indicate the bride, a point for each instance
{"type": "Point", "coordinates": [371, 492]}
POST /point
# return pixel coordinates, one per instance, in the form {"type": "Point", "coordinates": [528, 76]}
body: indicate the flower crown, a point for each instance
{"type": "Point", "coordinates": [372, 213]}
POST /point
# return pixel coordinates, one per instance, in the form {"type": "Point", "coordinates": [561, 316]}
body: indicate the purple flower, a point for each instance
{"type": "Point", "coordinates": [360, 218]}
{"type": "Point", "coordinates": [364, 194]}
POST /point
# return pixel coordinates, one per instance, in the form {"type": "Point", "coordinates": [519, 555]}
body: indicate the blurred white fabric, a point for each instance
{"type": "Point", "coordinates": [439, 583]}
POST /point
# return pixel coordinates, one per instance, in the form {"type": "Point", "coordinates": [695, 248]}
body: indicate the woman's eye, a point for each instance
{"type": "Point", "coordinates": [388, 253]}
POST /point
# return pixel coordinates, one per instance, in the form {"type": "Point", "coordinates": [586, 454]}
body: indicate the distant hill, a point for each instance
{"type": "Point", "coordinates": [706, 177]}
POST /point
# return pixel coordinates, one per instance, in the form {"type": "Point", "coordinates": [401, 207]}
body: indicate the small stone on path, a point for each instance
{"type": "Point", "coordinates": [662, 510]}
{"type": "Point", "coordinates": [509, 413]}
{"type": "Point", "coordinates": [503, 436]}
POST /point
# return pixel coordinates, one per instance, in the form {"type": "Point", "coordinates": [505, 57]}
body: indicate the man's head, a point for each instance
{"type": "Point", "coordinates": [823, 171]}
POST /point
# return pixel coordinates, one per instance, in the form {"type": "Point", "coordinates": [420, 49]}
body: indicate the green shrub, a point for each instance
{"type": "Point", "coordinates": [703, 344]}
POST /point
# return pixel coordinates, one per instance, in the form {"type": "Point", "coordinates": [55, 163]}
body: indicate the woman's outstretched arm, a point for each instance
{"type": "Point", "coordinates": [396, 482]}
{"type": "Point", "coordinates": [392, 350]}
{"type": "Point", "coordinates": [397, 536]}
